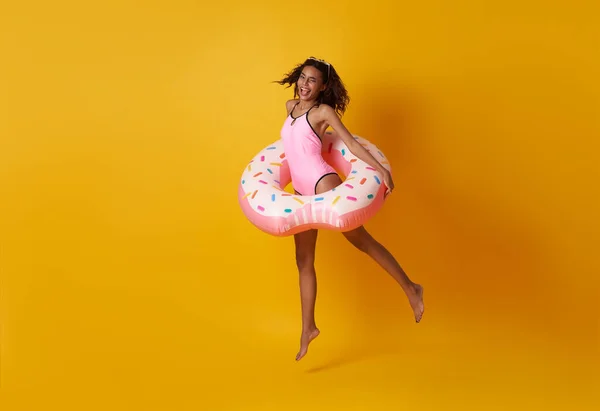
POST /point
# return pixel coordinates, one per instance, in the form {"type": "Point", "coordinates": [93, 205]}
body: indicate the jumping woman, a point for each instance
{"type": "Point", "coordinates": [320, 99]}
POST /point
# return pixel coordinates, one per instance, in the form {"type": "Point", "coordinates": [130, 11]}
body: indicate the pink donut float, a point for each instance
{"type": "Point", "coordinates": [269, 207]}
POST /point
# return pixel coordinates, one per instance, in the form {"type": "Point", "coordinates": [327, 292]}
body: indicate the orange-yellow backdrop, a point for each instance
{"type": "Point", "coordinates": [131, 280]}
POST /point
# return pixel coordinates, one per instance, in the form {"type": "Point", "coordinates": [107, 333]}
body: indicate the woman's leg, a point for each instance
{"type": "Point", "coordinates": [305, 260]}
{"type": "Point", "coordinates": [364, 242]}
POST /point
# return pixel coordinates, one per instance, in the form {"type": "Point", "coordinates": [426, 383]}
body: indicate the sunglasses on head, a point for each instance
{"type": "Point", "coordinates": [322, 62]}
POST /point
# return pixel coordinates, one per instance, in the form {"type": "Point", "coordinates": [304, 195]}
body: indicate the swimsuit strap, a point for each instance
{"type": "Point", "coordinates": [292, 110]}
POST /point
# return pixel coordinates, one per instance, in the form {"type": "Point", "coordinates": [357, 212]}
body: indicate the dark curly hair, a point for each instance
{"type": "Point", "coordinates": [334, 95]}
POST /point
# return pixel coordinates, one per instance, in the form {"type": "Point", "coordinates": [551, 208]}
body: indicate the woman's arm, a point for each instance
{"type": "Point", "coordinates": [354, 146]}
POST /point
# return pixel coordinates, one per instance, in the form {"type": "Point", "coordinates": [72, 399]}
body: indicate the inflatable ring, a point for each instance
{"type": "Point", "coordinates": [269, 207]}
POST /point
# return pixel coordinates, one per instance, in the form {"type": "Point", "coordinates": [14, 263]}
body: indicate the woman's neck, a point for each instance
{"type": "Point", "coordinates": [305, 104]}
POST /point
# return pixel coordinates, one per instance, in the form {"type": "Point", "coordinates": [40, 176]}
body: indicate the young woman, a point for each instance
{"type": "Point", "coordinates": [320, 99]}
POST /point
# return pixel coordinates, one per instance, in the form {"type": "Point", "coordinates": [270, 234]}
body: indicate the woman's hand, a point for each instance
{"type": "Point", "coordinates": [387, 180]}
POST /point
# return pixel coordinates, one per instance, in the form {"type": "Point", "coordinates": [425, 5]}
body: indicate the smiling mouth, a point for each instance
{"type": "Point", "coordinates": [304, 91]}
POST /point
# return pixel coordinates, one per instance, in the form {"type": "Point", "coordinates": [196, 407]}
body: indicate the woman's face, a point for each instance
{"type": "Point", "coordinates": [310, 83]}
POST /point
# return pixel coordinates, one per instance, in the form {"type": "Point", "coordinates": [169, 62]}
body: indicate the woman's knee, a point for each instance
{"type": "Point", "coordinates": [360, 239]}
{"type": "Point", "coordinates": [305, 249]}
{"type": "Point", "coordinates": [305, 260]}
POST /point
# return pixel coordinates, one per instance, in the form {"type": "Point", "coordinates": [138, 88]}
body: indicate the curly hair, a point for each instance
{"type": "Point", "coordinates": [334, 95]}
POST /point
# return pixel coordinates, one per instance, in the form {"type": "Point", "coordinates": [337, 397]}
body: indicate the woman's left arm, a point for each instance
{"type": "Point", "coordinates": [355, 147]}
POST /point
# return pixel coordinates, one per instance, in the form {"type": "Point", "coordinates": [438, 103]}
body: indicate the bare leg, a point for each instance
{"type": "Point", "coordinates": [305, 260]}
{"type": "Point", "coordinates": [363, 241]}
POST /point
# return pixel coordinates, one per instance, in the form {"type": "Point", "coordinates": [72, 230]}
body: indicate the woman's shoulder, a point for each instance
{"type": "Point", "coordinates": [290, 103]}
{"type": "Point", "coordinates": [325, 111]}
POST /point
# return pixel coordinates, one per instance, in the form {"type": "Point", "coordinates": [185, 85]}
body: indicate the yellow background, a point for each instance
{"type": "Point", "coordinates": [131, 280]}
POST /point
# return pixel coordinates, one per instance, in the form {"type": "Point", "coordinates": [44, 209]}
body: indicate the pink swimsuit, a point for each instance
{"type": "Point", "coordinates": [302, 147]}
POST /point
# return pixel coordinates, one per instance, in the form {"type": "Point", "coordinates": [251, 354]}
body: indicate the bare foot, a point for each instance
{"type": "Point", "coordinates": [306, 338]}
{"type": "Point", "coordinates": [416, 302]}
